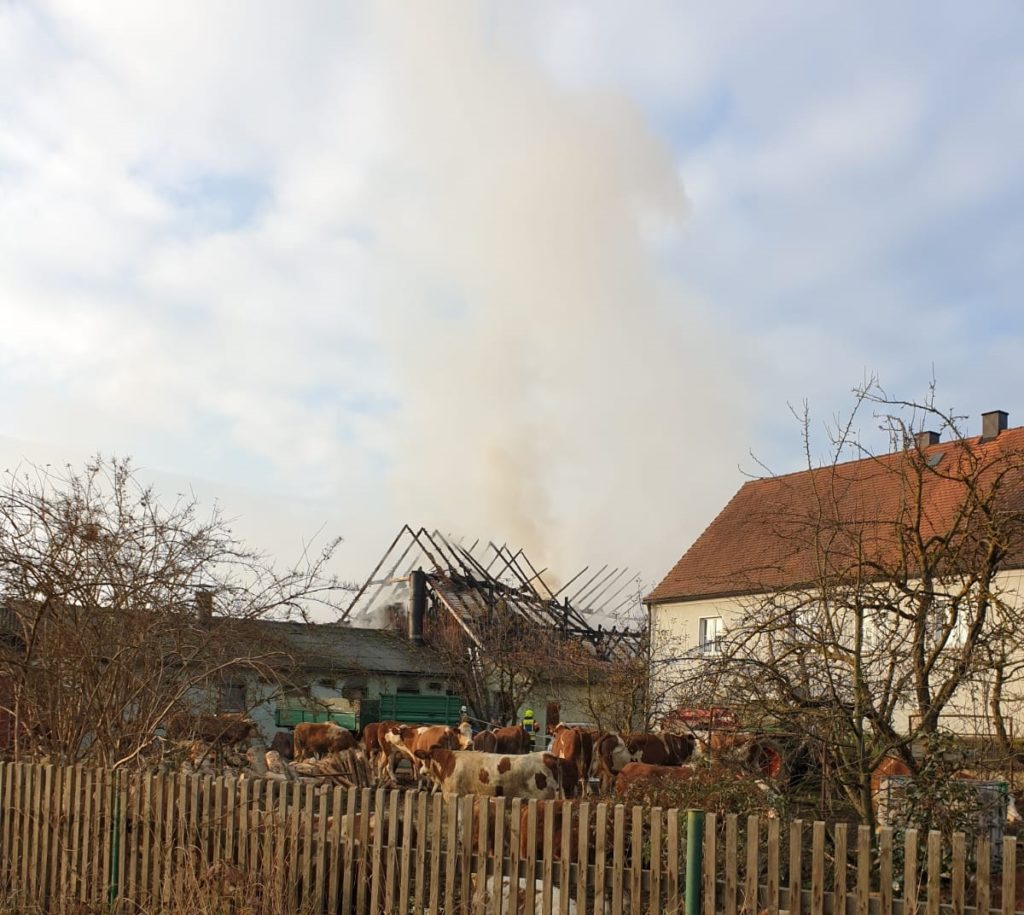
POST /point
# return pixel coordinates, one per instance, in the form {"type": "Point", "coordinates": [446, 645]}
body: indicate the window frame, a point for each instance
{"type": "Point", "coordinates": [713, 645]}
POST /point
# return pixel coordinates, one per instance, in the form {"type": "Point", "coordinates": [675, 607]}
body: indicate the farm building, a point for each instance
{"type": "Point", "coordinates": [282, 672]}
{"type": "Point", "coordinates": [333, 671]}
{"type": "Point", "coordinates": [514, 641]}
{"type": "Point", "coordinates": [934, 528]}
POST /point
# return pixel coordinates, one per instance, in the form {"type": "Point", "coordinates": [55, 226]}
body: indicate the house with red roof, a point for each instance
{"type": "Point", "coordinates": [910, 515]}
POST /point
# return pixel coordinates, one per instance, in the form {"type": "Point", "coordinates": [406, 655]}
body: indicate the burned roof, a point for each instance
{"type": "Point", "coordinates": [471, 582]}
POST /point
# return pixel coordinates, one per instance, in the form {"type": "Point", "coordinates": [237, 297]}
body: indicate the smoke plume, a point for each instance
{"type": "Point", "coordinates": [557, 388]}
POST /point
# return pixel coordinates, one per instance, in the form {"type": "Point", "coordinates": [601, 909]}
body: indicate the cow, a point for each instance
{"type": "Point", "coordinates": [516, 899]}
{"type": "Point", "coordinates": [639, 773]}
{"type": "Point", "coordinates": [756, 753]}
{"type": "Point", "coordinates": [533, 775]}
{"type": "Point", "coordinates": [408, 741]}
{"type": "Point", "coordinates": [614, 751]}
{"type": "Point", "coordinates": [514, 739]}
{"type": "Point", "coordinates": [378, 749]}
{"type": "Point", "coordinates": [563, 821]}
{"type": "Point", "coordinates": [319, 739]}
{"type": "Point", "coordinates": [651, 776]}
{"type": "Point", "coordinates": [891, 766]}
{"type": "Point", "coordinates": [221, 730]}
{"type": "Point", "coordinates": [282, 743]}
{"type": "Point", "coordinates": [576, 747]}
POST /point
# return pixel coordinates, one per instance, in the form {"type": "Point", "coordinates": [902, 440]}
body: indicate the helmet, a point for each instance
{"type": "Point", "coordinates": [528, 713]}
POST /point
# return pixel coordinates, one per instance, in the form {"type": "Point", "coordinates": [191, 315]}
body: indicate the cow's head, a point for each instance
{"type": "Point", "coordinates": [465, 732]}
{"type": "Point", "coordinates": [437, 763]}
{"type": "Point", "coordinates": [397, 741]}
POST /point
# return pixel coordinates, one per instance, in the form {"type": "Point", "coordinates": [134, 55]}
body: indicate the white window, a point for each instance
{"type": "Point", "coordinates": [710, 635]}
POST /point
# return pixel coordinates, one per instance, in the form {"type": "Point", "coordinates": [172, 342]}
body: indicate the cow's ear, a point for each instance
{"type": "Point", "coordinates": [422, 754]}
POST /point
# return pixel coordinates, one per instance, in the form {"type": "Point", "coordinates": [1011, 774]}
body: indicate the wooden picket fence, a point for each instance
{"type": "Point", "coordinates": [93, 840]}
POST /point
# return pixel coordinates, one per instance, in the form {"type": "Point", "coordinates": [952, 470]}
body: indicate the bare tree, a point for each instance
{"type": "Point", "coordinates": [632, 690]}
{"type": "Point", "coordinates": [119, 612]}
{"type": "Point", "coordinates": [500, 668]}
{"type": "Point", "coordinates": [879, 606]}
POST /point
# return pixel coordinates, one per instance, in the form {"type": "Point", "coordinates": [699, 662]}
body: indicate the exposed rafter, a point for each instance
{"type": "Point", "coordinates": [470, 582]}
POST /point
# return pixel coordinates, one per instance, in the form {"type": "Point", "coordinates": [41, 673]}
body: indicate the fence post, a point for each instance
{"type": "Point", "coordinates": [115, 842]}
{"type": "Point", "coordinates": [694, 859]}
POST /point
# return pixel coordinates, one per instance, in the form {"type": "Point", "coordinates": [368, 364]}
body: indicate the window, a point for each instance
{"type": "Point", "coordinates": [955, 615]}
{"type": "Point", "coordinates": [232, 697]}
{"type": "Point", "coordinates": [710, 635]}
{"type": "Point", "coordinates": [408, 687]}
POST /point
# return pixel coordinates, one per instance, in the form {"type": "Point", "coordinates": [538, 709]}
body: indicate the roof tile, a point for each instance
{"type": "Point", "coordinates": [763, 539]}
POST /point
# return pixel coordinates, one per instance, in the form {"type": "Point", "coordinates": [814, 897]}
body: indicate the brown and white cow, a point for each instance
{"type": "Point", "coordinates": [756, 753]}
{"type": "Point", "coordinates": [514, 739]}
{"type": "Point", "coordinates": [409, 741]}
{"type": "Point", "coordinates": [378, 748]}
{"type": "Point", "coordinates": [614, 751]}
{"type": "Point", "coordinates": [321, 738]}
{"type": "Point", "coordinates": [576, 747]}
{"type": "Point", "coordinates": [532, 775]}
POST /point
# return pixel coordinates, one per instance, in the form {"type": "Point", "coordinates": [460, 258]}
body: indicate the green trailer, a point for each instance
{"type": "Point", "coordinates": [350, 714]}
{"type": "Point", "coordinates": [416, 709]}
{"type": "Point", "coordinates": [355, 714]}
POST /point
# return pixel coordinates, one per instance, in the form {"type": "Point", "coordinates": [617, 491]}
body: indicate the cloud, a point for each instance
{"type": "Point", "coordinates": [533, 272]}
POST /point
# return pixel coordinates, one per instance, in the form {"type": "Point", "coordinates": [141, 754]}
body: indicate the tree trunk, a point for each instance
{"type": "Point", "coordinates": [996, 710]}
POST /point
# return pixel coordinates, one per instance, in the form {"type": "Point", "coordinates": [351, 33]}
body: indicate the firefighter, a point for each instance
{"type": "Point", "coordinates": [529, 723]}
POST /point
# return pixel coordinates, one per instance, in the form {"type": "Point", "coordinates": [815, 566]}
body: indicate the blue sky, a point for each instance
{"type": "Point", "coordinates": [545, 271]}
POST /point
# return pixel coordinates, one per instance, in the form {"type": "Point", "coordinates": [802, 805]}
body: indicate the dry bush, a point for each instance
{"type": "Point", "coordinates": [120, 611]}
{"type": "Point", "coordinates": [715, 790]}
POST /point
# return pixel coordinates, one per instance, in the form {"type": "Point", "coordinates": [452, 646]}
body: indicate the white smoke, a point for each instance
{"type": "Point", "coordinates": [556, 388]}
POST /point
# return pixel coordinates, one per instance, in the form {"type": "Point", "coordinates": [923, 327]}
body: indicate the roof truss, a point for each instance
{"type": "Point", "coordinates": [470, 581]}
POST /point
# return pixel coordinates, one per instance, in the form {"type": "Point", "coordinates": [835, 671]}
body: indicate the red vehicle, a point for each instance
{"type": "Point", "coordinates": [715, 718]}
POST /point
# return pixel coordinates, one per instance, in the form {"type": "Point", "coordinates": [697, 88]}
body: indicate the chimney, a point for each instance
{"type": "Point", "coordinates": [204, 605]}
{"type": "Point", "coordinates": [926, 438]}
{"type": "Point", "coordinates": [417, 605]}
{"type": "Point", "coordinates": [992, 423]}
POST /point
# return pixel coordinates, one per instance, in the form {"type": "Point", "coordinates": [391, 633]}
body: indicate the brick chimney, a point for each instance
{"type": "Point", "coordinates": [204, 605]}
{"type": "Point", "coordinates": [417, 605]}
{"type": "Point", "coordinates": [992, 423]}
{"type": "Point", "coordinates": [926, 438]}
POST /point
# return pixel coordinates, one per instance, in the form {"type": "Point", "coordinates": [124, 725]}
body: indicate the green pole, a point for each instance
{"type": "Point", "coordinates": [115, 841]}
{"type": "Point", "coordinates": [694, 859]}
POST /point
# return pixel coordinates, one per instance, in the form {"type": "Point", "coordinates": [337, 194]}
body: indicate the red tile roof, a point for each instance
{"type": "Point", "coordinates": [767, 538]}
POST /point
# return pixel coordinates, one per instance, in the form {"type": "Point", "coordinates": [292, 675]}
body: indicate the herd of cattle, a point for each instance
{"type": "Point", "coordinates": [499, 763]}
